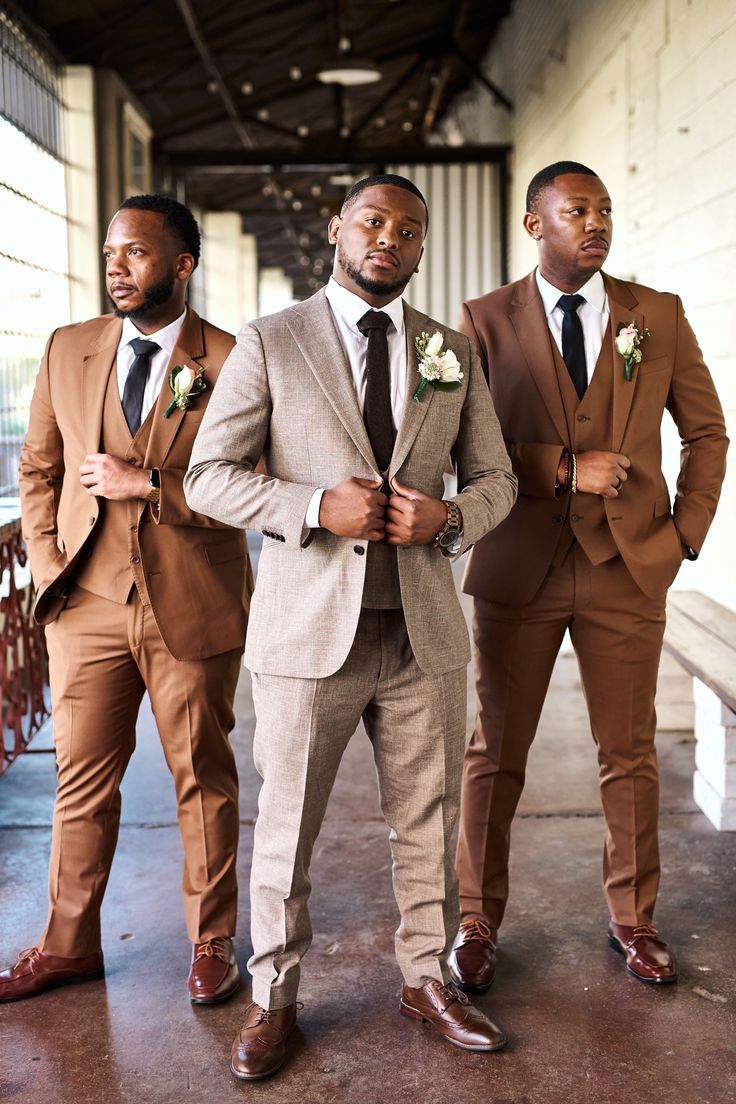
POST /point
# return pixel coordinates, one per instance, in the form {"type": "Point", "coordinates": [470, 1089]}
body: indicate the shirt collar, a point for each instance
{"type": "Point", "coordinates": [594, 292]}
{"type": "Point", "coordinates": [166, 337]}
{"type": "Point", "coordinates": [351, 307]}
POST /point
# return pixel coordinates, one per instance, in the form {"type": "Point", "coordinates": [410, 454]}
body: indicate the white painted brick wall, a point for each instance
{"type": "Point", "coordinates": [644, 91]}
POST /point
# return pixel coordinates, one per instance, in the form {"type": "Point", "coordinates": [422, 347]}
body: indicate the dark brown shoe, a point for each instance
{"type": "Point", "coordinates": [214, 974]}
{"type": "Point", "coordinates": [35, 972]}
{"type": "Point", "coordinates": [452, 1015]}
{"type": "Point", "coordinates": [260, 1045]}
{"type": "Point", "coordinates": [472, 957]}
{"type": "Point", "coordinates": [648, 957]}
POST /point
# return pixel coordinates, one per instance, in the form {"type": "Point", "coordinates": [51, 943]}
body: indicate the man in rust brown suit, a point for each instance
{"type": "Point", "coordinates": [138, 593]}
{"type": "Point", "coordinates": [591, 545]}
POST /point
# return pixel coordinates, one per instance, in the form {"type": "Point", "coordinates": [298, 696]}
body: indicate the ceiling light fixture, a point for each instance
{"type": "Point", "coordinates": [349, 72]}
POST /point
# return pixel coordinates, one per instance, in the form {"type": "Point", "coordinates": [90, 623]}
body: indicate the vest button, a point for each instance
{"type": "Point", "coordinates": [583, 418]}
{"type": "Point", "coordinates": [134, 528]}
{"type": "Point", "coordinates": [131, 460]}
{"type": "Point", "coordinates": [576, 517]}
{"type": "Point", "coordinates": [358, 549]}
{"type": "Point", "coordinates": [135, 559]}
{"type": "Point", "coordinates": [557, 518]}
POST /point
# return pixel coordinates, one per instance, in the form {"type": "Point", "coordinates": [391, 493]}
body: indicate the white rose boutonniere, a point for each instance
{"type": "Point", "coordinates": [185, 384]}
{"type": "Point", "coordinates": [628, 339]}
{"type": "Point", "coordinates": [441, 369]}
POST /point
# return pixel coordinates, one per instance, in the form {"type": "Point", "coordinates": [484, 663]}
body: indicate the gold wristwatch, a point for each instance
{"type": "Point", "coordinates": [452, 528]}
{"type": "Point", "coordinates": [154, 488]}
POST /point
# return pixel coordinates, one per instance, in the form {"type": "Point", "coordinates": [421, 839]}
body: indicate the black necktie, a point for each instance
{"type": "Point", "coordinates": [135, 384]}
{"type": "Point", "coordinates": [573, 344]}
{"type": "Point", "coordinates": [377, 409]}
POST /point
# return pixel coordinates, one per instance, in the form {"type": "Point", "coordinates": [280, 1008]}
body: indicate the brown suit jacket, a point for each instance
{"type": "Point", "coordinates": [510, 331]}
{"type": "Point", "coordinates": [197, 570]}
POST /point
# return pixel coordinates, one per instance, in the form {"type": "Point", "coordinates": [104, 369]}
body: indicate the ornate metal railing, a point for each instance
{"type": "Point", "coordinates": [23, 661]}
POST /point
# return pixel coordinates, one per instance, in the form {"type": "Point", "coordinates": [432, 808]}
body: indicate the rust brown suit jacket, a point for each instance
{"type": "Point", "coordinates": [197, 571]}
{"type": "Point", "coordinates": [510, 331]}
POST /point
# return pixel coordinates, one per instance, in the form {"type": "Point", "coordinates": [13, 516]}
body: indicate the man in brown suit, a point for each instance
{"type": "Point", "coordinates": [591, 545]}
{"type": "Point", "coordinates": [137, 592]}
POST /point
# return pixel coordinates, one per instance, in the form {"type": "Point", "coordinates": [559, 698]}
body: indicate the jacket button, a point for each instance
{"type": "Point", "coordinates": [576, 517]}
{"type": "Point", "coordinates": [282, 537]}
{"type": "Point", "coordinates": [359, 550]}
{"type": "Point", "coordinates": [135, 559]}
{"type": "Point", "coordinates": [557, 518]}
{"type": "Point", "coordinates": [583, 418]}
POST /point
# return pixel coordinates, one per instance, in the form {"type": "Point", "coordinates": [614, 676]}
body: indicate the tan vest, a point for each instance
{"type": "Point", "coordinates": [113, 565]}
{"type": "Point", "coordinates": [590, 424]}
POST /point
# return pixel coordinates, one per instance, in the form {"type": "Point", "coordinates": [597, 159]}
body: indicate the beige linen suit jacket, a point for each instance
{"type": "Point", "coordinates": [197, 570]}
{"type": "Point", "coordinates": [509, 329]}
{"type": "Point", "coordinates": [286, 392]}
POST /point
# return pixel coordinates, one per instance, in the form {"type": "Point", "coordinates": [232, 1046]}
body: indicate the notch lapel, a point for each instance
{"type": "Point", "coordinates": [622, 303]}
{"type": "Point", "coordinates": [414, 412]}
{"type": "Point", "coordinates": [313, 330]}
{"type": "Point", "coordinates": [98, 364]}
{"type": "Point", "coordinates": [189, 353]}
{"type": "Point", "coordinates": [530, 323]}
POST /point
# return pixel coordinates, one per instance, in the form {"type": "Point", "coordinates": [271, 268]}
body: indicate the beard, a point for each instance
{"type": "Point", "coordinates": [153, 298]}
{"type": "Point", "coordinates": [372, 287]}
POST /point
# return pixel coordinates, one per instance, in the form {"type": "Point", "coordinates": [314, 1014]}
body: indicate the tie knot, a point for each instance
{"type": "Point", "coordinates": [142, 347]}
{"type": "Point", "coordinates": [570, 303]}
{"type": "Point", "coordinates": [373, 320]}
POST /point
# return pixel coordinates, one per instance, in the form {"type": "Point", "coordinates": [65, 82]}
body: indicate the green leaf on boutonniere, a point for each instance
{"type": "Point", "coordinates": [184, 383]}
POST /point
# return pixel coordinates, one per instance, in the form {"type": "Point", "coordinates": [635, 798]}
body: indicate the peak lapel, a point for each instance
{"type": "Point", "coordinates": [530, 323]}
{"type": "Point", "coordinates": [414, 412]}
{"type": "Point", "coordinates": [98, 364]}
{"type": "Point", "coordinates": [622, 303]}
{"type": "Point", "coordinates": [314, 331]}
{"type": "Point", "coordinates": [189, 353]}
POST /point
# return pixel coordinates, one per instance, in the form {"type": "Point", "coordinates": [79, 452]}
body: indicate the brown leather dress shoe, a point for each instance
{"type": "Point", "coordinates": [260, 1045]}
{"type": "Point", "coordinates": [648, 957]}
{"type": "Point", "coordinates": [214, 974]}
{"type": "Point", "coordinates": [35, 972]}
{"type": "Point", "coordinates": [472, 957]}
{"type": "Point", "coordinates": [452, 1015]}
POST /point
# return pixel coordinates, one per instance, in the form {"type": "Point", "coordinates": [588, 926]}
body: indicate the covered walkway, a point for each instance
{"type": "Point", "coordinates": [581, 1030]}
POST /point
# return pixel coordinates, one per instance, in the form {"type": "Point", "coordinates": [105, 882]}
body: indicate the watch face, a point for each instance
{"type": "Point", "coordinates": [448, 538]}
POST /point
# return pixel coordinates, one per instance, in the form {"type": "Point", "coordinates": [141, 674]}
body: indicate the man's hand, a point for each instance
{"type": "Point", "coordinates": [354, 508]}
{"type": "Point", "coordinates": [602, 473]}
{"type": "Point", "coordinates": [412, 516]}
{"type": "Point", "coordinates": [110, 477]}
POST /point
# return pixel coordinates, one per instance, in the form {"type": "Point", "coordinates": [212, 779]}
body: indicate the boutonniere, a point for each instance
{"type": "Point", "coordinates": [441, 369]}
{"type": "Point", "coordinates": [628, 340]}
{"type": "Point", "coordinates": [185, 384]}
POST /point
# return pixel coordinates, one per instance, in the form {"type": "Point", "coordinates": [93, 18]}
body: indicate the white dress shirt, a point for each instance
{"type": "Point", "coordinates": [347, 310]}
{"type": "Point", "coordinates": [166, 338]}
{"type": "Point", "coordinates": [593, 314]}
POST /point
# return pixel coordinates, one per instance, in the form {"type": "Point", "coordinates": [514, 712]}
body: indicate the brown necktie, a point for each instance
{"type": "Point", "coordinates": [377, 409]}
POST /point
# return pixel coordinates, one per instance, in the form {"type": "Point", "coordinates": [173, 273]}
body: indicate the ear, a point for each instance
{"type": "Point", "coordinates": [333, 229]}
{"type": "Point", "coordinates": [419, 259]}
{"type": "Point", "coordinates": [184, 266]}
{"type": "Point", "coordinates": [533, 225]}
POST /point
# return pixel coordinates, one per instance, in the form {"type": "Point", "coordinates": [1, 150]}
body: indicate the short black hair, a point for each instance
{"type": "Point", "coordinates": [382, 178]}
{"type": "Point", "coordinates": [177, 217]}
{"type": "Point", "coordinates": [548, 175]}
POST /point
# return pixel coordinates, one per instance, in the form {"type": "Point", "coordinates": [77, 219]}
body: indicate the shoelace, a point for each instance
{"type": "Point", "coordinates": [645, 930]}
{"type": "Point", "coordinates": [476, 928]}
{"type": "Point", "coordinates": [450, 993]}
{"type": "Point", "coordinates": [29, 955]}
{"type": "Point", "coordinates": [212, 948]}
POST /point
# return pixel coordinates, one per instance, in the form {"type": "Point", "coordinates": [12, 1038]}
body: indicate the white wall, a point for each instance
{"type": "Point", "coordinates": [230, 270]}
{"type": "Point", "coordinates": [645, 93]}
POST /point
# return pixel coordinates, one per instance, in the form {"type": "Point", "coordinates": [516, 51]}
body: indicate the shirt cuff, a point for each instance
{"type": "Point", "coordinates": [312, 519]}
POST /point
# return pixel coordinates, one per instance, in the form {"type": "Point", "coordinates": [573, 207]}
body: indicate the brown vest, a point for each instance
{"type": "Point", "coordinates": [113, 565]}
{"type": "Point", "coordinates": [590, 424]}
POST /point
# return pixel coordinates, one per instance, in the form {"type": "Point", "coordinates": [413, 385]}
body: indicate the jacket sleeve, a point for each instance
{"type": "Point", "coordinates": [696, 410]}
{"type": "Point", "coordinates": [222, 480]}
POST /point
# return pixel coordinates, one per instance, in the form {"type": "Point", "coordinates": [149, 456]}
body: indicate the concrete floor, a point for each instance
{"type": "Point", "coordinates": [581, 1029]}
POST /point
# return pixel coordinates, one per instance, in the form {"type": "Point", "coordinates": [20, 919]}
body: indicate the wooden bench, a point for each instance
{"type": "Point", "coordinates": [701, 635]}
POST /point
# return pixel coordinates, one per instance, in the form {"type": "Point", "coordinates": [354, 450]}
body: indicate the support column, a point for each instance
{"type": "Point", "coordinates": [82, 192]}
{"type": "Point", "coordinates": [714, 782]}
{"type": "Point", "coordinates": [230, 270]}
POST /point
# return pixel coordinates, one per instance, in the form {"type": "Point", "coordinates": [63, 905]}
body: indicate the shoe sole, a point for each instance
{"type": "Point", "coordinates": [614, 943]}
{"type": "Point", "coordinates": [415, 1014]}
{"type": "Point", "coordinates": [469, 986]}
{"type": "Point", "coordinates": [256, 1076]}
{"type": "Point", "coordinates": [215, 1000]}
{"type": "Point", "coordinates": [95, 975]}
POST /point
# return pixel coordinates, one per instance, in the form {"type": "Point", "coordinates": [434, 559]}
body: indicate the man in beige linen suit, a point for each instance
{"type": "Point", "coordinates": [591, 545]}
{"type": "Point", "coordinates": [138, 593]}
{"type": "Point", "coordinates": [355, 613]}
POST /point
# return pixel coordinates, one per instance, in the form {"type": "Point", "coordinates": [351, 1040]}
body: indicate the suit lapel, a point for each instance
{"type": "Point", "coordinates": [98, 364]}
{"type": "Point", "coordinates": [622, 303]}
{"type": "Point", "coordinates": [414, 412]}
{"type": "Point", "coordinates": [313, 329]}
{"type": "Point", "coordinates": [188, 352]}
{"type": "Point", "coordinates": [530, 323]}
